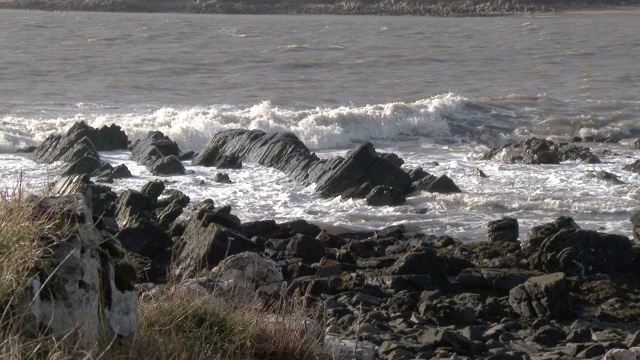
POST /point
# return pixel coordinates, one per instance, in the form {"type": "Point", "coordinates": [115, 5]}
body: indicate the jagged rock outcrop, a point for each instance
{"type": "Point", "coordinates": [85, 285]}
{"type": "Point", "coordinates": [141, 233]}
{"type": "Point", "coordinates": [541, 151]}
{"type": "Point", "coordinates": [158, 154]}
{"type": "Point", "coordinates": [79, 148]}
{"type": "Point", "coordinates": [209, 237]}
{"type": "Point", "coordinates": [354, 175]}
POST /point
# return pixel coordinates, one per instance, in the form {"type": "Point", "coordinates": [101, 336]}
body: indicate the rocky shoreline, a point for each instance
{"type": "Point", "coordinates": [557, 292]}
{"type": "Point", "coordinates": [384, 7]}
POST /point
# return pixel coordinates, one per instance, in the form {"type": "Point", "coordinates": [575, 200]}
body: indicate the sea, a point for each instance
{"type": "Point", "coordinates": [438, 92]}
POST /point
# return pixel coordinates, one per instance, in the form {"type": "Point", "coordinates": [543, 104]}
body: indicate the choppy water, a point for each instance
{"type": "Point", "coordinates": [429, 89]}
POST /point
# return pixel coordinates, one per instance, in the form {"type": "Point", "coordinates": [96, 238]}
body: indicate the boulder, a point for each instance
{"type": "Point", "coordinates": [541, 296]}
{"type": "Point", "coordinates": [204, 244]}
{"type": "Point", "coordinates": [247, 273]}
{"type": "Point", "coordinates": [84, 288]}
{"type": "Point", "coordinates": [425, 262]}
{"type": "Point", "coordinates": [505, 229]}
{"type": "Point", "coordinates": [158, 154]}
{"type": "Point", "coordinates": [582, 252]}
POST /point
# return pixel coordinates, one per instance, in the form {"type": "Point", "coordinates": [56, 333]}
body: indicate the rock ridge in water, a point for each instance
{"type": "Point", "coordinates": [359, 174]}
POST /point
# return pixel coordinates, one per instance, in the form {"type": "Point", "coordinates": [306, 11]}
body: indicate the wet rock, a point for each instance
{"type": "Point", "coordinates": [479, 173]}
{"type": "Point", "coordinates": [158, 154]}
{"type": "Point", "coordinates": [575, 251]}
{"type": "Point", "coordinates": [84, 165]}
{"type": "Point", "coordinates": [541, 151]}
{"type": "Point", "coordinates": [541, 296]}
{"type": "Point", "coordinates": [228, 162]}
{"type": "Point", "coordinates": [106, 173]}
{"type": "Point", "coordinates": [222, 178]}
{"type": "Point", "coordinates": [449, 339]}
{"type": "Point", "coordinates": [431, 183]}
{"type": "Point", "coordinates": [285, 152]}
{"type": "Point", "coordinates": [79, 141]}
{"type": "Point", "coordinates": [505, 229]}
{"type": "Point", "coordinates": [634, 167]}
{"type": "Point", "coordinates": [385, 196]}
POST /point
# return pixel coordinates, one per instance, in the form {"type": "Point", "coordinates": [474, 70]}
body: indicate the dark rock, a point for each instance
{"type": "Point", "coordinates": [385, 196]}
{"type": "Point", "coordinates": [505, 229]}
{"type": "Point", "coordinates": [479, 173]}
{"type": "Point", "coordinates": [158, 154]}
{"type": "Point", "coordinates": [541, 151]}
{"type": "Point", "coordinates": [634, 167]}
{"type": "Point", "coordinates": [330, 241]}
{"type": "Point", "coordinates": [307, 248]}
{"type": "Point", "coordinates": [431, 183]}
{"type": "Point", "coordinates": [501, 280]}
{"type": "Point", "coordinates": [536, 236]}
{"type": "Point", "coordinates": [635, 221]}
{"type": "Point", "coordinates": [285, 152]}
{"type": "Point", "coordinates": [592, 351]}
{"type": "Point", "coordinates": [203, 245]}
{"type": "Point", "coordinates": [426, 262]}
{"type": "Point", "coordinates": [582, 252]}
{"type": "Point", "coordinates": [228, 162]}
{"type": "Point", "coordinates": [84, 165]}
{"type": "Point", "coordinates": [153, 189]}
{"type": "Point", "coordinates": [447, 339]}
{"type": "Point", "coordinates": [109, 138]}
{"type": "Point", "coordinates": [261, 227]}
{"type": "Point", "coordinates": [80, 140]}
{"type": "Point", "coordinates": [392, 158]}
{"type": "Point", "coordinates": [544, 295]}
{"type": "Point", "coordinates": [140, 233]}
{"type": "Point", "coordinates": [120, 171]}
{"type": "Point", "coordinates": [579, 336]}
{"type": "Point", "coordinates": [358, 192]}
{"type": "Point", "coordinates": [169, 207]}
{"type": "Point", "coordinates": [222, 178]}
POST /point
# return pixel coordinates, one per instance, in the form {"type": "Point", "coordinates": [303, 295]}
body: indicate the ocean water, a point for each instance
{"type": "Point", "coordinates": [438, 92]}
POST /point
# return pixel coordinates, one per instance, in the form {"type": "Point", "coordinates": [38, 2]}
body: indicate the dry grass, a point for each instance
{"type": "Point", "coordinates": [216, 327]}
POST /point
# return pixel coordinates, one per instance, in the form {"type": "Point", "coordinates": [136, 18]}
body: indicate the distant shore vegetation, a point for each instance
{"type": "Point", "coordinates": [451, 8]}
